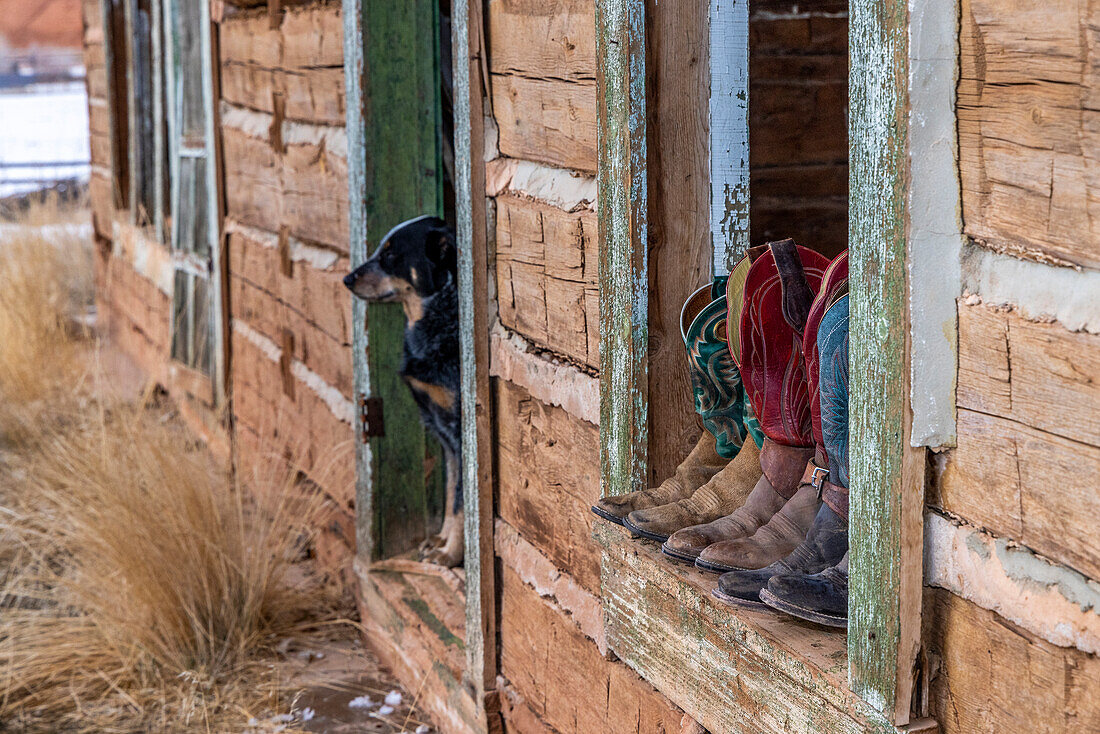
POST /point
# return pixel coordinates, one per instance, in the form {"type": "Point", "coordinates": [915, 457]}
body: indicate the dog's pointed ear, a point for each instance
{"type": "Point", "coordinates": [442, 250]}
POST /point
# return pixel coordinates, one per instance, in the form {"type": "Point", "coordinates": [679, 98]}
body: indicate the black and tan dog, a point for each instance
{"type": "Point", "coordinates": [416, 265]}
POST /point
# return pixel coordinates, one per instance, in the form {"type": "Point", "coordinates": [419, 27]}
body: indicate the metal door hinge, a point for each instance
{"type": "Point", "coordinates": [371, 422]}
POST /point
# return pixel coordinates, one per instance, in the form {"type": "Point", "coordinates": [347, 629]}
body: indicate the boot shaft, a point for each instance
{"type": "Point", "coordinates": [715, 379]}
{"type": "Point", "coordinates": [832, 342]}
{"type": "Point", "coordinates": [778, 292]}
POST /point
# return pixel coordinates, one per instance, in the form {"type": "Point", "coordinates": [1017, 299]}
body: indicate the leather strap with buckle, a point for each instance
{"type": "Point", "coordinates": [835, 496]}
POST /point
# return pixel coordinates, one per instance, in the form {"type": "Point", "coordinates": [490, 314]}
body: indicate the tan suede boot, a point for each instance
{"type": "Point", "coordinates": [723, 494]}
{"type": "Point", "coordinates": [700, 466]}
{"type": "Point", "coordinates": [782, 468]}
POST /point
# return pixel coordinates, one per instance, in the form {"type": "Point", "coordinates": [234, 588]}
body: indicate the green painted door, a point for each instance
{"type": "Point", "coordinates": [395, 166]}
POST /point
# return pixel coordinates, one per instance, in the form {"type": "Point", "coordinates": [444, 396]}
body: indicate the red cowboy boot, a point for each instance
{"type": "Point", "coordinates": [778, 292]}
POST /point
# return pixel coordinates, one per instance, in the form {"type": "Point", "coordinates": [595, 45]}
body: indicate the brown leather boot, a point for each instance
{"type": "Point", "coordinates": [723, 494]}
{"type": "Point", "coordinates": [782, 468]}
{"type": "Point", "coordinates": [700, 466]}
{"type": "Point", "coordinates": [773, 540]}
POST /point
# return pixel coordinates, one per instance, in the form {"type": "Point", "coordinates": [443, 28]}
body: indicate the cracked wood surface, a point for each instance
{"type": "Point", "coordinates": [992, 676]}
{"type": "Point", "coordinates": [731, 670]}
{"type": "Point", "coordinates": [543, 80]}
{"type": "Point", "coordinates": [546, 276]}
{"type": "Point", "coordinates": [547, 473]}
{"type": "Point", "coordinates": [1024, 468]}
{"type": "Point", "coordinates": [565, 683]}
{"type": "Point", "coordinates": [415, 624]}
{"type": "Point", "coordinates": [1029, 128]}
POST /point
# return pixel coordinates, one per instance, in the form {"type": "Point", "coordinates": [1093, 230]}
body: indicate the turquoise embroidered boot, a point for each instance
{"type": "Point", "coordinates": [726, 413]}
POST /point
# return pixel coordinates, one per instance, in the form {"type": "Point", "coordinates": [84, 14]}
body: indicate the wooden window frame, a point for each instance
{"type": "Point", "coordinates": [186, 261]}
{"type": "Point", "coordinates": [117, 60]}
{"type": "Point", "coordinates": [883, 639]}
{"type": "Point", "coordinates": [128, 106]}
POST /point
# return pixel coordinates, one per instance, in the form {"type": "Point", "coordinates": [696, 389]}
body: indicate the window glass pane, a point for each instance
{"type": "Point", "coordinates": [188, 61]}
{"type": "Point", "coordinates": [192, 218]}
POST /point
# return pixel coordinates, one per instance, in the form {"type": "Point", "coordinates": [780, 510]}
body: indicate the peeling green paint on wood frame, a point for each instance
{"type": "Point", "coordinates": [623, 267]}
{"type": "Point", "coordinates": [473, 273]}
{"type": "Point", "coordinates": [886, 475]}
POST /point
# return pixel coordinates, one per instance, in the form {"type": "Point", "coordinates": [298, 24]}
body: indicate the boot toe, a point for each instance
{"type": "Point", "coordinates": [809, 597]}
{"type": "Point", "coordinates": [742, 588]}
{"type": "Point", "coordinates": [658, 523]}
{"type": "Point", "coordinates": [741, 554]}
{"type": "Point", "coordinates": [689, 542]}
{"type": "Point", "coordinates": [614, 508]}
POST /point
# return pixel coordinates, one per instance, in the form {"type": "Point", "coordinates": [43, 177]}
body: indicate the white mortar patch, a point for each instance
{"type": "Point", "coordinates": [1039, 292]}
{"type": "Point", "coordinates": [555, 383]}
{"type": "Point", "coordinates": [1050, 600]}
{"type": "Point", "coordinates": [318, 257]}
{"type": "Point", "coordinates": [257, 124]}
{"type": "Point", "coordinates": [558, 187]}
{"type": "Point", "coordinates": [935, 224]}
{"type": "Point", "coordinates": [340, 406]}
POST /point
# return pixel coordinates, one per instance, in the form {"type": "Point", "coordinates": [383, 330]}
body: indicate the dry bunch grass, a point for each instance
{"type": "Point", "coordinates": [46, 277]}
{"type": "Point", "coordinates": [150, 587]}
{"type": "Point", "coordinates": [141, 588]}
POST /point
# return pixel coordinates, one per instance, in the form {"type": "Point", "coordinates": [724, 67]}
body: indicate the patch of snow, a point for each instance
{"type": "Point", "coordinates": [360, 702]}
{"type": "Point", "coordinates": [393, 698]}
{"type": "Point", "coordinates": [386, 710]}
{"type": "Point", "coordinates": [308, 714]}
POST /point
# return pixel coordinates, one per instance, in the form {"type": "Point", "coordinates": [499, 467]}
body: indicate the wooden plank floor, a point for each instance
{"type": "Point", "coordinates": [414, 619]}
{"type": "Point", "coordinates": [732, 670]}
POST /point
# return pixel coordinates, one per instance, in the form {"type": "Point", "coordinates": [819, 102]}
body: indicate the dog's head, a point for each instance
{"type": "Point", "coordinates": [414, 260]}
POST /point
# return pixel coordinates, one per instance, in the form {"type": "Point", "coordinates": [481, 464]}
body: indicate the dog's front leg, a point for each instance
{"type": "Point", "coordinates": [447, 548]}
{"type": "Point", "coordinates": [452, 547]}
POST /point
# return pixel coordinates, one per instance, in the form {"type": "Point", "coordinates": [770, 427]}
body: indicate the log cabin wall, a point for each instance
{"type": "Point", "coordinates": [286, 225]}
{"type": "Point", "coordinates": [280, 123]}
{"type": "Point", "coordinates": [555, 672]}
{"type": "Point", "coordinates": [1010, 527]}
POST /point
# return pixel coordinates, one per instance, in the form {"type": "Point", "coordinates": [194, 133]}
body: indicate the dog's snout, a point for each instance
{"type": "Point", "coordinates": [349, 280]}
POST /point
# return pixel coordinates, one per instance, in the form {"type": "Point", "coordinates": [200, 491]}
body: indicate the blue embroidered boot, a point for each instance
{"type": "Point", "coordinates": [823, 597]}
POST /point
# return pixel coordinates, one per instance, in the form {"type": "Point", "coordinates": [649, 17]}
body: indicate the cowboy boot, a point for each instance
{"type": "Point", "coordinates": [715, 381]}
{"type": "Point", "coordinates": [717, 391]}
{"type": "Point", "coordinates": [825, 544]}
{"type": "Point", "coordinates": [823, 597]}
{"type": "Point", "coordinates": [697, 469]}
{"type": "Point", "coordinates": [779, 288]}
{"type": "Point", "coordinates": [782, 470]}
{"type": "Point", "coordinates": [787, 529]}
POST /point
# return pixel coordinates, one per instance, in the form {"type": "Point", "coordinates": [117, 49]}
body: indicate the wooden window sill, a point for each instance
{"type": "Point", "coordinates": [731, 669]}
